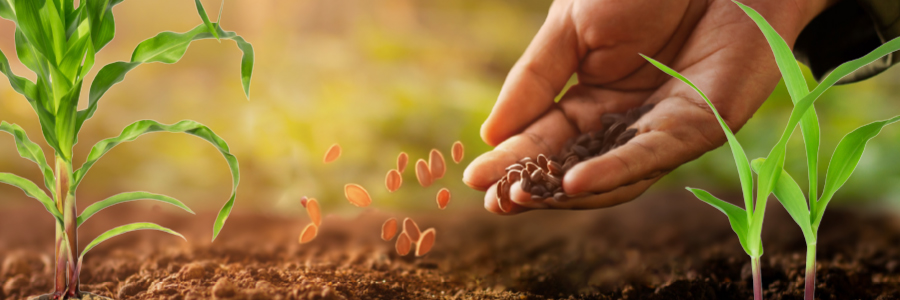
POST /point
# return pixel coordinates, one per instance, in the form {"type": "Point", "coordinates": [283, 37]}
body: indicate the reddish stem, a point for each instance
{"type": "Point", "coordinates": [810, 293]}
{"type": "Point", "coordinates": [757, 278]}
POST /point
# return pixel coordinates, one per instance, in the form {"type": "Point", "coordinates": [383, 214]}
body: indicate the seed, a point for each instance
{"type": "Point", "coordinates": [389, 229]}
{"type": "Point", "coordinates": [537, 197]}
{"type": "Point", "coordinates": [436, 164]}
{"type": "Point", "coordinates": [443, 198]}
{"type": "Point", "coordinates": [457, 151]}
{"type": "Point", "coordinates": [393, 180]}
{"type": "Point", "coordinates": [537, 176]}
{"type": "Point", "coordinates": [559, 197]}
{"type": "Point", "coordinates": [526, 184]}
{"type": "Point", "coordinates": [426, 242]}
{"type": "Point", "coordinates": [515, 167]}
{"type": "Point", "coordinates": [580, 151]}
{"type": "Point", "coordinates": [538, 190]}
{"type": "Point", "coordinates": [303, 201]}
{"type": "Point", "coordinates": [403, 245]}
{"type": "Point", "coordinates": [554, 168]}
{"type": "Point", "coordinates": [333, 153]}
{"type": "Point", "coordinates": [541, 161]}
{"type": "Point", "coordinates": [357, 195]}
{"type": "Point", "coordinates": [615, 130]}
{"type": "Point", "coordinates": [503, 200]}
{"type": "Point", "coordinates": [514, 176]}
{"type": "Point", "coordinates": [526, 160]}
{"type": "Point", "coordinates": [531, 167]}
{"type": "Point", "coordinates": [411, 229]}
{"type": "Point", "coordinates": [309, 233]}
{"type": "Point", "coordinates": [555, 181]}
{"type": "Point", "coordinates": [312, 209]}
{"type": "Point", "coordinates": [402, 161]}
{"type": "Point", "coordinates": [609, 119]}
{"type": "Point", "coordinates": [423, 174]}
{"type": "Point", "coordinates": [626, 136]}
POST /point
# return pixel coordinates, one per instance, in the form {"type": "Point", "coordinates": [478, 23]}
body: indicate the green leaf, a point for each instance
{"type": "Point", "coordinates": [166, 47]}
{"type": "Point", "coordinates": [736, 216]}
{"type": "Point", "coordinates": [31, 151]}
{"type": "Point", "coordinates": [740, 158]}
{"type": "Point", "coordinates": [845, 159]}
{"type": "Point", "coordinates": [796, 86]}
{"type": "Point", "coordinates": [124, 229]}
{"type": "Point", "coordinates": [40, 21]}
{"type": "Point", "coordinates": [66, 117]}
{"type": "Point", "coordinates": [139, 128]}
{"type": "Point", "coordinates": [103, 27]}
{"type": "Point", "coordinates": [32, 93]}
{"type": "Point", "coordinates": [791, 197]}
{"type": "Point", "coordinates": [31, 190]}
{"type": "Point", "coordinates": [205, 18]}
{"type": "Point", "coordinates": [6, 10]}
{"type": "Point", "coordinates": [127, 197]}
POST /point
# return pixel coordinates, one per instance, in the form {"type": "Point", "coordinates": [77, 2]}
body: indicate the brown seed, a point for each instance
{"type": "Point", "coordinates": [436, 164]}
{"type": "Point", "coordinates": [503, 200]}
{"type": "Point", "coordinates": [514, 175]}
{"type": "Point", "coordinates": [554, 168]}
{"type": "Point", "coordinates": [526, 184]}
{"type": "Point", "coordinates": [537, 197]}
{"type": "Point", "coordinates": [333, 153]}
{"type": "Point", "coordinates": [357, 195]}
{"type": "Point", "coordinates": [515, 167]}
{"type": "Point", "coordinates": [404, 244]}
{"type": "Point", "coordinates": [314, 212]}
{"type": "Point", "coordinates": [526, 160]}
{"type": "Point", "coordinates": [393, 180]}
{"type": "Point", "coordinates": [583, 139]}
{"type": "Point", "coordinates": [541, 161]}
{"type": "Point", "coordinates": [402, 161]}
{"type": "Point", "coordinates": [531, 167]}
{"type": "Point", "coordinates": [626, 136]}
{"type": "Point", "coordinates": [457, 151]}
{"type": "Point", "coordinates": [309, 233]}
{"type": "Point", "coordinates": [443, 198]}
{"type": "Point", "coordinates": [389, 229]}
{"type": "Point", "coordinates": [538, 190]}
{"type": "Point", "coordinates": [426, 242]}
{"type": "Point", "coordinates": [555, 181]}
{"type": "Point", "coordinates": [559, 197]}
{"type": "Point", "coordinates": [615, 130]}
{"type": "Point", "coordinates": [423, 173]}
{"type": "Point", "coordinates": [609, 119]}
{"type": "Point", "coordinates": [303, 201]}
{"type": "Point", "coordinates": [580, 151]}
{"type": "Point", "coordinates": [411, 229]}
{"type": "Point", "coordinates": [537, 176]}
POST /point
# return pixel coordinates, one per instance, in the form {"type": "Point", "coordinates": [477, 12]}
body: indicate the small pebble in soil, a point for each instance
{"type": "Point", "coordinates": [193, 271]}
{"type": "Point", "coordinates": [129, 289]}
{"type": "Point", "coordinates": [15, 284]}
{"type": "Point", "coordinates": [223, 289]}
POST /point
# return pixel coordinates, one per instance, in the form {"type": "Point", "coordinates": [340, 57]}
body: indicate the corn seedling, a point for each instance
{"type": "Point", "coordinates": [58, 42]}
{"type": "Point", "coordinates": [747, 222]}
{"type": "Point", "coordinates": [846, 155]}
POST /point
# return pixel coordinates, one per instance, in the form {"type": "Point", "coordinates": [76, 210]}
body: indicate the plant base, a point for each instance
{"type": "Point", "coordinates": [84, 296]}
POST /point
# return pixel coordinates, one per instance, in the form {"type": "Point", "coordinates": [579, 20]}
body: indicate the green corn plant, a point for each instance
{"type": "Point", "coordinates": [747, 222]}
{"type": "Point", "coordinates": [808, 213]}
{"type": "Point", "coordinates": [58, 41]}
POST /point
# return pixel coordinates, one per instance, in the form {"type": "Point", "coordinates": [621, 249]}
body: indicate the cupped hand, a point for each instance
{"type": "Point", "coordinates": [711, 42]}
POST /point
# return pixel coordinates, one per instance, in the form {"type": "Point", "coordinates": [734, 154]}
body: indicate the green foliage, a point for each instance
{"type": "Point", "coordinates": [124, 229]}
{"type": "Point", "coordinates": [58, 42]}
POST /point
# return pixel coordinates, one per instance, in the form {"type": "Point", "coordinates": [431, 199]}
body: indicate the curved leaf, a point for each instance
{"type": "Point", "coordinates": [31, 190]}
{"type": "Point", "coordinates": [791, 197]}
{"type": "Point", "coordinates": [125, 229]}
{"type": "Point", "coordinates": [139, 128]}
{"type": "Point", "coordinates": [127, 197]}
{"type": "Point", "coordinates": [31, 151]}
{"type": "Point", "coordinates": [6, 11]}
{"type": "Point", "coordinates": [40, 21]}
{"type": "Point", "coordinates": [740, 158]}
{"type": "Point", "coordinates": [737, 216]}
{"type": "Point", "coordinates": [845, 159]}
{"type": "Point", "coordinates": [165, 47]}
{"type": "Point", "coordinates": [797, 88]}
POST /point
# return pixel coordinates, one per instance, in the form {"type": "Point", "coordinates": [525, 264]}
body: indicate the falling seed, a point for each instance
{"type": "Point", "coordinates": [303, 201]}
{"type": "Point", "coordinates": [436, 164]}
{"type": "Point", "coordinates": [402, 161]}
{"type": "Point", "coordinates": [393, 180]}
{"type": "Point", "coordinates": [404, 244]}
{"type": "Point", "coordinates": [443, 198]}
{"type": "Point", "coordinates": [357, 195]}
{"type": "Point", "coordinates": [411, 228]}
{"type": "Point", "coordinates": [309, 233]}
{"type": "Point", "coordinates": [426, 242]}
{"type": "Point", "coordinates": [314, 212]}
{"type": "Point", "coordinates": [423, 173]}
{"type": "Point", "coordinates": [333, 153]}
{"type": "Point", "coordinates": [389, 229]}
{"type": "Point", "coordinates": [457, 152]}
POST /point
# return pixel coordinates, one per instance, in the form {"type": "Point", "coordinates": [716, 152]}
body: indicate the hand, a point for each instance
{"type": "Point", "coordinates": [711, 42]}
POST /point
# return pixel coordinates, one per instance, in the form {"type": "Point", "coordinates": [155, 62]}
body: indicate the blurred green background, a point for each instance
{"type": "Point", "coordinates": [378, 77]}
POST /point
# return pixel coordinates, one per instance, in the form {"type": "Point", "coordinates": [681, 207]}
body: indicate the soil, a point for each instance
{"type": "Point", "coordinates": [662, 246]}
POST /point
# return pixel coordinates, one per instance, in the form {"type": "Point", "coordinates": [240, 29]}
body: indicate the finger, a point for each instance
{"type": "Point", "coordinates": [491, 205]}
{"type": "Point", "coordinates": [536, 79]}
{"type": "Point", "coordinates": [547, 135]}
{"type": "Point", "coordinates": [672, 133]}
{"type": "Point", "coordinates": [615, 197]}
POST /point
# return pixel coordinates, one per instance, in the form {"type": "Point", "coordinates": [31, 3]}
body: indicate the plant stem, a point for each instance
{"type": "Point", "coordinates": [60, 282]}
{"type": "Point", "coordinates": [67, 235]}
{"type": "Point", "coordinates": [757, 278]}
{"type": "Point", "coordinates": [810, 272]}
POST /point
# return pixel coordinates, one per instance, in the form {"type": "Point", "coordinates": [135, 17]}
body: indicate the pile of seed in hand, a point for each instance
{"type": "Point", "coordinates": [542, 176]}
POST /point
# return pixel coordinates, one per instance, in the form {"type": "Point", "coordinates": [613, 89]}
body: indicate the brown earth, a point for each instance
{"type": "Point", "coordinates": [663, 246]}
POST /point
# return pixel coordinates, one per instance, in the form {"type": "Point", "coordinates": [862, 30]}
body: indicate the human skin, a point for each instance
{"type": "Point", "coordinates": [712, 42]}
